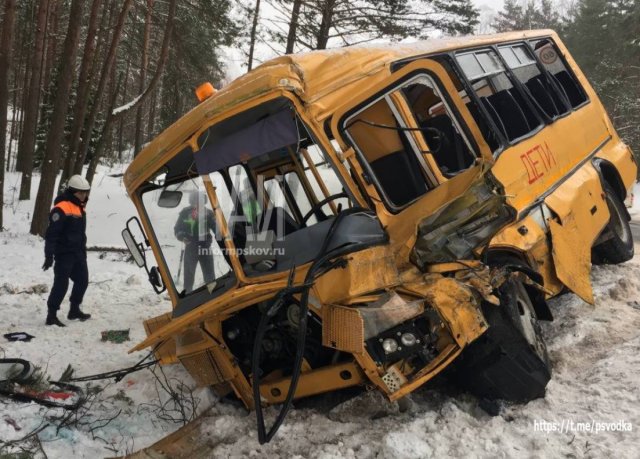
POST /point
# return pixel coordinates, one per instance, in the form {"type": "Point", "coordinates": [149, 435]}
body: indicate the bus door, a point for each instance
{"type": "Point", "coordinates": [417, 150]}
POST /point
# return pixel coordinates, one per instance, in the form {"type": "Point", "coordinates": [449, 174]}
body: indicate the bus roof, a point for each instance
{"type": "Point", "coordinates": [322, 79]}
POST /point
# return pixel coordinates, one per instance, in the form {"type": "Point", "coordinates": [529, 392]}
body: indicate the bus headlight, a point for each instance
{"type": "Point", "coordinates": [408, 339]}
{"type": "Point", "coordinates": [389, 345]}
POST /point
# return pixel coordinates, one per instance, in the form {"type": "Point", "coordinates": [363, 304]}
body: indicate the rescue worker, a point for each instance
{"type": "Point", "coordinates": [196, 231]}
{"type": "Point", "coordinates": [66, 244]}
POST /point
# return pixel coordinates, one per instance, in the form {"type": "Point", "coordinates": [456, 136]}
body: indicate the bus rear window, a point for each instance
{"type": "Point", "coordinates": [542, 90]}
{"type": "Point", "coordinates": [550, 57]}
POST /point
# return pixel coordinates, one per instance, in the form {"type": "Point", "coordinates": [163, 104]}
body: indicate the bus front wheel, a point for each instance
{"type": "Point", "coordinates": [510, 361]}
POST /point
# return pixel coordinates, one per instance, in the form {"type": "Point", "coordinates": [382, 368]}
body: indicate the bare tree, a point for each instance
{"type": "Point", "coordinates": [6, 46]}
{"type": "Point", "coordinates": [50, 165]}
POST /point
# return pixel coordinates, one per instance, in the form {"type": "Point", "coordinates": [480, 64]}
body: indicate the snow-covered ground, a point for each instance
{"type": "Point", "coordinates": [595, 352]}
{"type": "Point", "coordinates": [118, 297]}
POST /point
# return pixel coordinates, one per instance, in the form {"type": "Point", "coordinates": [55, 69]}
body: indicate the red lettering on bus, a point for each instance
{"type": "Point", "coordinates": [529, 167]}
{"type": "Point", "coordinates": [537, 161]}
{"type": "Point", "coordinates": [547, 155]}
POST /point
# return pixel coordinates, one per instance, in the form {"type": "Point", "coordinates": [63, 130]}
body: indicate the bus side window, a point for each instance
{"type": "Point", "coordinates": [448, 146]}
{"type": "Point", "coordinates": [490, 136]}
{"type": "Point", "coordinates": [504, 102]}
{"type": "Point", "coordinates": [387, 151]}
{"type": "Point", "coordinates": [550, 57]}
{"type": "Point", "coordinates": [537, 85]}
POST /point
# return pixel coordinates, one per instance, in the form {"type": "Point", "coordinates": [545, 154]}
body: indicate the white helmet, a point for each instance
{"type": "Point", "coordinates": [78, 183]}
{"type": "Point", "coordinates": [196, 198]}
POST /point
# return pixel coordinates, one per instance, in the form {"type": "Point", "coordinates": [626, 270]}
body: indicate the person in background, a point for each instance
{"type": "Point", "coordinates": [65, 249]}
{"type": "Point", "coordinates": [195, 228]}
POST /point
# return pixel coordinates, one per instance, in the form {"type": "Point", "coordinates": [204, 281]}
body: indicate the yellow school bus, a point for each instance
{"type": "Point", "coordinates": [371, 216]}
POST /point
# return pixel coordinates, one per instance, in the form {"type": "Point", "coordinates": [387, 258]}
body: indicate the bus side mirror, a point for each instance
{"type": "Point", "coordinates": [134, 247]}
{"type": "Point", "coordinates": [169, 199]}
{"type": "Point", "coordinates": [137, 252]}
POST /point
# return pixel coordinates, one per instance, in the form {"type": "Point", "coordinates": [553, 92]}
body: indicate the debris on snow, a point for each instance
{"type": "Point", "coordinates": [595, 351]}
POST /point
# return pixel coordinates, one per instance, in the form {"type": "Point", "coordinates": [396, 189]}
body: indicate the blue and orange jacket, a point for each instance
{"type": "Point", "coordinates": [66, 233]}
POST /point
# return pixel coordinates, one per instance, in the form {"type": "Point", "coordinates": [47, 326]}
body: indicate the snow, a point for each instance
{"type": "Point", "coordinates": [119, 297]}
{"type": "Point", "coordinates": [126, 107]}
{"type": "Point", "coordinates": [595, 351]}
{"type": "Point", "coordinates": [634, 210]}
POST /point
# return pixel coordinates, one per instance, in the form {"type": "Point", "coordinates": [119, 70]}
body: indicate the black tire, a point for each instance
{"type": "Point", "coordinates": [618, 248]}
{"type": "Point", "coordinates": [510, 361]}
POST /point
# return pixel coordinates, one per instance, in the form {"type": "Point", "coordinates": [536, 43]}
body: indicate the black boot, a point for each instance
{"type": "Point", "coordinates": [76, 313]}
{"type": "Point", "coordinates": [53, 320]}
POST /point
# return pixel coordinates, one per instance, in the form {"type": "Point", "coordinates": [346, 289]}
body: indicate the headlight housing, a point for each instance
{"type": "Point", "coordinates": [389, 345]}
{"type": "Point", "coordinates": [415, 337]}
{"type": "Point", "coordinates": [408, 339]}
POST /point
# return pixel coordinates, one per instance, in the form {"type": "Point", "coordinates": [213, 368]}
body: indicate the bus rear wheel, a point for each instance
{"type": "Point", "coordinates": [618, 247]}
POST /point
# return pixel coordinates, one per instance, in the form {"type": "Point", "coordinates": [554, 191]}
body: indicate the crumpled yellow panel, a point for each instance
{"type": "Point", "coordinates": [582, 213]}
{"type": "Point", "coordinates": [457, 303]}
{"type": "Point", "coordinates": [572, 257]}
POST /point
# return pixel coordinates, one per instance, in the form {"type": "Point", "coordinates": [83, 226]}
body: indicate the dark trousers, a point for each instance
{"type": "Point", "coordinates": [67, 267]}
{"type": "Point", "coordinates": [194, 254]}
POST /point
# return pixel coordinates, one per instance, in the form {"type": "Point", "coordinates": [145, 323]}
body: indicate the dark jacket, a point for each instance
{"type": "Point", "coordinates": [66, 233]}
{"type": "Point", "coordinates": [187, 228]}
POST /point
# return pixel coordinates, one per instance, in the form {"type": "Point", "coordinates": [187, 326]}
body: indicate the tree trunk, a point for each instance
{"type": "Point", "coordinates": [125, 94]}
{"type": "Point", "coordinates": [51, 39]}
{"type": "Point", "coordinates": [6, 47]}
{"type": "Point", "coordinates": [116, 114]}
{"type": "Point", "coordinates": [50, 165]}
{"type": "Point", "coordinates": [23, 35]}
{"type": "Point", "coordinates": [325, 25]}
{"type": "Point", "coordinates": [107, 23]}
{"type": "Point", "coordinates": [48, 78]}
{"type": "Point", "coordinates": [293, 26]}
{"type": "Point", "coordinates": [18, 76]}
{"type": "Point", "coordinates": [27, 144]}
{"type": "Point", "coordinates": [104, 76]}
{"type": "Point", "coordinates": [254, 29]}
{"type": "Point", "coordinates": [151, 126]}
{"type": "Point", "coordinates": [143, 75]}
{"type": "Point", "coordinates": [84, 87]}
{"type": "Point", "coordinates": [106, 132]}
{"type": "Point", "coordinates": [162, 60]}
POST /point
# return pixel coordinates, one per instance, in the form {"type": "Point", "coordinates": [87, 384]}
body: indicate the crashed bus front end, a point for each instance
{"type": "Point", "coordinates": [316, 234]}
{"type": "Point", "coordinates": [285, 285]}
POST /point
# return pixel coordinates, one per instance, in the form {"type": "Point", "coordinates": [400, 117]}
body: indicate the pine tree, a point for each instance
{"type": "Point", "coordinates": [603, 38]}
{"type": "Point", "coordinates": [66, 73]}
{"type": "Point", "coordinates": [543, 15]}
{"type": "Point", "coordinates": [510, 18]}
{"type": "Point", "coordinates": [31, 109]}
{"type": "Point", "coordinates": [318, 24]}
{"type": "Point", "coordinates": [202, 27]}
{"type": "Point", "coordinates": [83, 89]}
{"type": "Point", "coordinates": [548, 16]}
{"type": "Point", "coordinates": [6, 47]}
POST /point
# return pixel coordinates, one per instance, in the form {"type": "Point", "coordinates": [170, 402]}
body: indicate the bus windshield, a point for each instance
{"type": "Point", "coordinates": [277, 191]}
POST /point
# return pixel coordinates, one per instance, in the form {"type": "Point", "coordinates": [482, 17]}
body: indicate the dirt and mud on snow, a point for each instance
{"type": "Point", "coordinates": [595, 352]}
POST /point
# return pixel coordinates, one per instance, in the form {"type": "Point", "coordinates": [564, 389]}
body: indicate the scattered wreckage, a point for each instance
{"type": "Point", "coordinates": [371, 216]}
